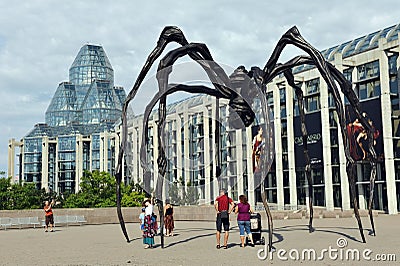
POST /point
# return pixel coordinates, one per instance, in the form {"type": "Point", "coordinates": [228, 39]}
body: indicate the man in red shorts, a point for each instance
{"type": "Point", "coordinates": [223, 204]}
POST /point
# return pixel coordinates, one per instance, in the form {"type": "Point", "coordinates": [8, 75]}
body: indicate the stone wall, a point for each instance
{"type": "Point", "coordinates": [181, 213]}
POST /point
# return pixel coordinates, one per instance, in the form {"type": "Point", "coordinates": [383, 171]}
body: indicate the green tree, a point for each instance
{"type": "Point", "coordinates": [5, 187]}
{"type": "Point", "coordinates": [24, 196]}
{"type": "Point", "coordinates": [132, 195]}
{"type": "Point", "coordinates": [132, 198]}
{"type": "Point", "coordinates": [174, 193]}
{"type": "Point", "coordinates": [191, 196]}
{"type": "Point", "coordinates": [97, 190]}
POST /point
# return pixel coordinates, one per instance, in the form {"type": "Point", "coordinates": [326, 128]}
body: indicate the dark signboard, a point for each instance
{"type": "Point", "coordinates": [314, 141]}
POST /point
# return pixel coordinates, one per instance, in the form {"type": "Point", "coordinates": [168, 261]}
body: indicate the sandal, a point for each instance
{"type": "Point", "coordinates": [225, 247]}
{"type": "Point", "coordinates": [218, 246]}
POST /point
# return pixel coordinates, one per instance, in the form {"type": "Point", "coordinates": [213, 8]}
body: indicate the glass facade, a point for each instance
{"type": "Point", "coordinates": [89, 98]}
{"type": "Point", "coordinates": [81, 109]}
{"type": "Point", "coordinates": [90, 64]}
{"type": "Point", "coordinates": [95, 152]}
{"type": "Point", "coordinates": [33, 160]}
{"type": "Point", "coordinates": [66, 164]}
{"type": "Point", "coordinates": [63, 106]}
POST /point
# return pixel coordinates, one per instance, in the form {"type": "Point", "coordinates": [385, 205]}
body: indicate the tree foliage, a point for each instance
{"type": "Point", "coordinates": [191, 196]}
{"type": "Point", "coordinates": [18, 197]}
{"type": "Point", "coordinates": [98, 189]}
{"type": "Point", "coordinates": [181, 195]}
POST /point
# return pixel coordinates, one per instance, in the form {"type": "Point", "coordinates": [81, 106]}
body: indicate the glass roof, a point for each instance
{"type": "Point", "coordinates": [357, 45]}
{"type": "Point", "coordinates": [91, 63]}
{"type": "Point", "coordinates": [63, 106]}
{"type": "Point", "coordinates": [87, 103]}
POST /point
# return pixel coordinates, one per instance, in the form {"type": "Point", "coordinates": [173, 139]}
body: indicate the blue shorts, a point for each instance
{"type": "Point", "coordinates": [244, 226]}
{"type": "Point", "coordinates": [142, 227]}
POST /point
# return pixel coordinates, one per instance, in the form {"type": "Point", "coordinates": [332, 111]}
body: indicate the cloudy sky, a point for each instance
{"type": "Point", "coordinates": [40, 39]}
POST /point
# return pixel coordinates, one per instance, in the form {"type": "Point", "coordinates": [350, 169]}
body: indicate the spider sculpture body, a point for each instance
{"type": "Point", "coordinates": [227, 87]}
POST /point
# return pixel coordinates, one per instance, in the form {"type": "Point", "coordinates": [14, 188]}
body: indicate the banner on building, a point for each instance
{"type": "Point", "coordinates": [371, 109]}
{"type": "Point", "coordinates": [314, 140]}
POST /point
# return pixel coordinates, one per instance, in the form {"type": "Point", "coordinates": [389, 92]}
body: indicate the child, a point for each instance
{"type": "Point", "coordinates": [141, 217]}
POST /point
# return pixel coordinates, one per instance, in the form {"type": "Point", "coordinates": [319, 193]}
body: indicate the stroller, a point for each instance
{"type": "Point", "coordinates": [255, 228]}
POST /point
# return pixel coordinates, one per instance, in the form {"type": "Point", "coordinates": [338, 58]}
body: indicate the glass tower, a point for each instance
{"type": "Point", "coordinates": [58, 151]}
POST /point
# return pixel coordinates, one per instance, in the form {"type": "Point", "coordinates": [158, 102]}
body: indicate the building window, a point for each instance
{"type": "Point", "coordinates": [282, 97]}
{"type": "Point", "coordinates": [270, 102]}
{"type": "Point", "coordinates": [312, 100]}
{"type": "Point", "coordinates": [367, 71]}
{"type": "Point", "coordinates": [348, 74]}
{"type": "Point", "coordinates": [313, 104]}
{"type": "Point", "coordinates": [394, 82]}
{"type": "Point", "coordinates": [369, 89]}
{"type": "Point", "coordinates": [368, 84]}
{"type": "Point", "coordinates": [312, 86]}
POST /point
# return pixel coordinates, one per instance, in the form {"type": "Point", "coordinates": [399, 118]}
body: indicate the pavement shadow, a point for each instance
{"type": "Point", "coordinates": [325, 229]}
{"type": "Point", "coordinates": [189, 239]}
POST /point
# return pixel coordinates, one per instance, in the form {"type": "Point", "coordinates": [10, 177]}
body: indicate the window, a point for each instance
{"type": "Point", "coordinates": [392, 61]}
{"type": "Point", "coordinates": [369, 89]}
{"type": "Point", "coordinates": [348, 74]}
{"type": "Point", "coordinates": [270, 102]}
{"type": "Point", "coordinates": [313, 103]}
{"type": "Point", "coordinates": [312, 86]}
{"type": "Point", "coordinates": [367, 71]}
{"type": "Point", "coordinates": [368, 85]}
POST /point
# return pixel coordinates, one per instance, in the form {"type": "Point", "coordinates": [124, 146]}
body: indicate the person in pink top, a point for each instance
{"type": "Point", "coordinates": [243, 211]}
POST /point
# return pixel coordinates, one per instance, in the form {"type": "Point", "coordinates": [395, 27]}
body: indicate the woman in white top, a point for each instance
{"type": "Point", "coordinates": [149, 225]}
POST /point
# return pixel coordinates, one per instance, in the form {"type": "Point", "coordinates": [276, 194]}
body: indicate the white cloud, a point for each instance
{"type": "Point", "coordinates": [40, 38]}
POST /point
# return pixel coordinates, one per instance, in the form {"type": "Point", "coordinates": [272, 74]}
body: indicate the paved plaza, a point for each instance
{"type": "Point", "coordinates": [194, 244]}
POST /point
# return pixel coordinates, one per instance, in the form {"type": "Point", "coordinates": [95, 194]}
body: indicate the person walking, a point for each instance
{"type": "Point", "coordinates": [49, 219]}
{"type": "Point", "coordinates": [149, 229]}
{"type": "Point", "coordinates": [169, 218]}
{"type": "Point", "coordinates": [141, 218]}
{"type": "Point", "coordinates": [243, 211]}
{"type": "Point", "coordinates": [224, 206]}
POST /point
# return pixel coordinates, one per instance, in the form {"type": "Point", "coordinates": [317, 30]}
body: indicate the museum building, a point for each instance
{"type": "Point", "coordinates": [370, 62]}
{"type": "Point", "coordinates": [76, 135]}
{"type": "Point", "coordinates": [82, 133]}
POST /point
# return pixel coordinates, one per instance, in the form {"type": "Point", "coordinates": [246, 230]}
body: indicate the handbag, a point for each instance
{"type": "Point", "coordinates": [225, 214]}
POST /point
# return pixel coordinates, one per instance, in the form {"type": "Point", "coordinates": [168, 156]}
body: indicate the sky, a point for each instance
{"type": "Point", "coordinates": [39, 40]}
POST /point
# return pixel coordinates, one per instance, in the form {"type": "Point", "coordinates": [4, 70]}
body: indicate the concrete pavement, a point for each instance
{"type": "Point", "coordinates": [194, 244]}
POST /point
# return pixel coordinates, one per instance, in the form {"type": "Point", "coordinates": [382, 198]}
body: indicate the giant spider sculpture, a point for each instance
{"type": "Point", "coordinates": [229, 87]}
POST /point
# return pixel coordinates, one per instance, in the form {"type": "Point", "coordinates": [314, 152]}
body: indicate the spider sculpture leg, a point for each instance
{"type": "Point", "coordinates": [355, 103]}
{"type": "Point", "coordinates": [372, 161]}
{"type": "Point", "coordinates": [293, 37]}
{"type": "Point", "coordinates": [347, 90]}
{"type": "Point", "coordinates": [216, 74]}
{"type": "Point", "coordinates": [269, 215]}
{"type": "Point", "coordinates": [371, 154]}
{"type": "Point", "coordinates": [300, 101]}
{"type": "Point", "coordinates": [169, 34]}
